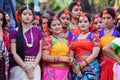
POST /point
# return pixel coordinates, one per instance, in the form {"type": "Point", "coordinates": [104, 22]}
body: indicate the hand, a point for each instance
{"type": "Point", "coordinates": [76, 69]}
{"type": "Point", "coordinates": [29, 69]}
{"type": "Point", "coordinates": [65, 59]}
{"type": "Point", "coordinates": [30, 76]}
{"type": "Point", "coordinates": [118, 62]}
{"type": "Point", "coordinates": [71, 60]}
{"type": "Point", "coordinates": [83, 63]}
{"type": "Point", "coordinates": [79, 74]}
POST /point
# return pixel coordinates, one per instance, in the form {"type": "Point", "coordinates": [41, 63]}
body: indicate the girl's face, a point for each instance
{"type": "Point", "coordinates": [84, 24]}
{"type": "Point", "coordinates": [27, 16]}
{"type": "Point", "coordinates": [65, 19]}
{"type": "Point", "coordinates": [56, 27]}
{"type": "Point", "coordinates": [107, 20]}
{"type": "Point", "coordinates": [44, 22]}
{"type": "Point", "coordinates": [8, 22]}
{"type": "Point", "coordinates": [98, 23]}
{"type": "Point", "coordinates": [1, 19]}
{"type": "Point", "coordinates": [76, 11]}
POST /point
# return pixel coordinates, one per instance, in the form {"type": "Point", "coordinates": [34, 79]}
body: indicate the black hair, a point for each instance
{"type": "Point", "coordinates": [51, 20]}
{"type": "Point", "coordinates": [110, 11]}
{"type": "Point", "coordinates": [62, 13]}
{"type": "Point", "coordinates": [4, 19]}
{"type": "Point", "coordinates": [88, 16]}
{"type": "Point", "coordinates": [20, 37]}
{"type": "Point", "coordinates": [24, 8]}
{"type": "Point", "coordinates": [51, 13]}
{"type": "Point", "coordinates": [95, 16]}
{"type": "Point", "coordinates": [73, 4]}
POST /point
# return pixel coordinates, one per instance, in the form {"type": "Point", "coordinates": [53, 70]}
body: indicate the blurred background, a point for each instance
{"type": "Point", "coordinates": [91, 6]}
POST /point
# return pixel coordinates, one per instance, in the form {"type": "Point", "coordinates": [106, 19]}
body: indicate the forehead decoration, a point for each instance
{"type": "Point", "coordinates": [37, 17]}
{"type": "Point", "coordinates": [83, 15]}
{"type": "Point", "coordinates": [105, 11]}
{"type": "Point", "coordinates": [55, 18]}
{"type": "Point", "coordinates": [78, 3]}
{"type": "Point", "coordinates": [66, 12]}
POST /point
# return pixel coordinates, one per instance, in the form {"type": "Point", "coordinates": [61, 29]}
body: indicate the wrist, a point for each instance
{"type": "Point", "coordinates": [33, 65]}
{"type": "Point", "coordinates": [24, 66]}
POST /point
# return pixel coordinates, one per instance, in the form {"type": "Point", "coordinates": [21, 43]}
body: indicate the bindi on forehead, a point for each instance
{"type": "Point", "coordinates": [28, 11]}
{"type": "Point", "coordinates": [66, 13]}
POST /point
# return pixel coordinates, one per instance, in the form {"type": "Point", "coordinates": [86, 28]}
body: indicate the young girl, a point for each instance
{"type": "Point", "coordinates": [86, 48]}
{"type": "Point", "coordinates": [108, 33]}
{"type": "Point", "coordinates": [56, 53]}
{"type": "Point", "coordinates": [26, 48]}
{"type": "Point", "coordinates": [75, 9]}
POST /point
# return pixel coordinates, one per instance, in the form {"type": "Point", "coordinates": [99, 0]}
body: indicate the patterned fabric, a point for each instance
{"type": "Point", "coordinates": [75, 31]}
{"type": "Point", "coordinates": [37, 36]}
{"type": "Point", "coordinates": [29, 51]}
{"type": "Point", "coordinates": [106, 64]}
{"type": "Point", "coordinates": [116, 67]}
{"type": "Point", "coordinates": [4, 61]}
{"type": "Point", "coordinates": [83, 48]}
{"type": "Point", "coordinates": [56, 48]}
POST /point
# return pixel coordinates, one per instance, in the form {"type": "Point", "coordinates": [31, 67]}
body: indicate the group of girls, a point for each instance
{"type": "Point", "coordinates": [70, 45]}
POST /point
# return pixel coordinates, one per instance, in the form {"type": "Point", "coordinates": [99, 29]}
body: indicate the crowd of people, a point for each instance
{"type": "Point", "coordinates": [67, 45]}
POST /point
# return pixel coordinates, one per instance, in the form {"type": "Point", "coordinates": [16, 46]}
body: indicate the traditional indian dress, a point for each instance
{"type": "Point", "coordinates": [116, 68]}
{"type": "Point", "coordinates": [17, 72]}
{"type": "Point", "coordinates": [83, 48]}
{"type": "Point", "coordinates": [56, 70]}
{"type": "Point", "coordinates": [74, 31]}
{"type": "Point", "coordinates": [4, 61]}
{"type": "Point", "coordinates": [106, 64]}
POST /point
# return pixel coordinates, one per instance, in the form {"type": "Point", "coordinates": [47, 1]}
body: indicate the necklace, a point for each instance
{"type": "Point", "coordinates": [59, 39]}
{"type": "Point", "coordinates": [31, 35]}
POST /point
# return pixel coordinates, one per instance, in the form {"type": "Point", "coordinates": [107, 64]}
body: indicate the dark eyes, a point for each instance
{"type": "Point", "coordinates": [85, 21]}
{"type": "Point", "coordinates": [106, 18]}
{"type": "Point", "coordinates": [98, 22]}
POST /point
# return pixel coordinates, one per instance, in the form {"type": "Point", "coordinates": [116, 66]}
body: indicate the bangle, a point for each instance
{"type": "Point", "coordinates": [86, 62]}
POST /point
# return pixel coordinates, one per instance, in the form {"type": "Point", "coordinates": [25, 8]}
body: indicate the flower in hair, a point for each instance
{"type": "Point", "coordinates": [66, 11]}
{"type": "Point", "coordinates": [105, 11]}
{"type": "Point", "coordinates": [55, 18]}
{"type": "Point", "coordinates": [78, 3]}
{"type": "Point", "coordinates": [18, 12]}
{"type": "Point", "coordinates": [96, 16]}
{"type": "Point", "coordinates": [37, 17]}
{"type": "Point", "coordinates": [83, 14]}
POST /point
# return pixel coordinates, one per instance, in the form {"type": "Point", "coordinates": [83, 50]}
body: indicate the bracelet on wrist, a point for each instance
{"type": "Point", "coordinates": [86, 62]}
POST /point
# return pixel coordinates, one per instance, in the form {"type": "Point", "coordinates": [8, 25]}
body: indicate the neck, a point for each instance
{"type": "Point", "coordinates": [74, 21]}
{"type": "Point", "coordinates": [25, 25]}
{"type": "Point", "coordinates": [85, 32]}
{"type": "Point", "coordinates": [109, 28]}
{"type": "Point", "coordinates": [56, 35]}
